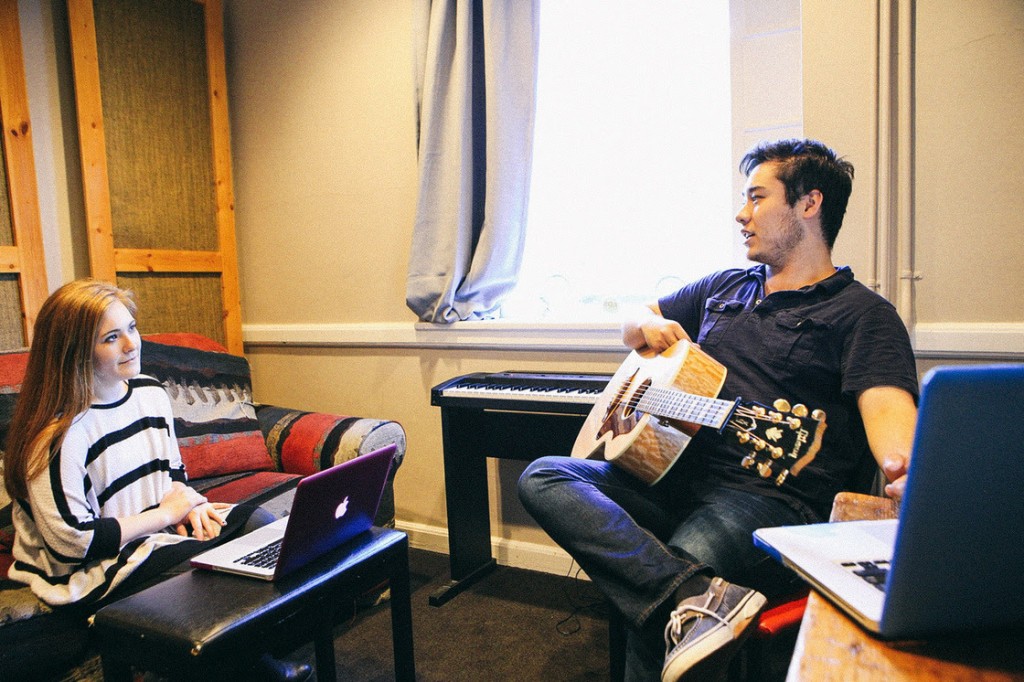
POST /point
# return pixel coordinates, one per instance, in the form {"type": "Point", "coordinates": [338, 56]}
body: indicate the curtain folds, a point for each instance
{"type": "Point", "coordinates": [476, 63]}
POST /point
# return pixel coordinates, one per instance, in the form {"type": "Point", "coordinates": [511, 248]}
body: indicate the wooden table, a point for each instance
{"type": "Point", "coordinates": [831, 646]}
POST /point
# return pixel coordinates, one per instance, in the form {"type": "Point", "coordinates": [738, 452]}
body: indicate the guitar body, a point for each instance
{"type": "Point", "coordinates": [644, 445]}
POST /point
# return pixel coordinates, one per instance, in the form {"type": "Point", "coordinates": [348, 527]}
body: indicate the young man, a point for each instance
{"type": "Point", "coordinates": [677, 558]}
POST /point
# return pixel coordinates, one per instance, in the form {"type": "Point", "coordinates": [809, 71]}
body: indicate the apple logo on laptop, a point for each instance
{"type": "Point", "coordinates": [342, 508]}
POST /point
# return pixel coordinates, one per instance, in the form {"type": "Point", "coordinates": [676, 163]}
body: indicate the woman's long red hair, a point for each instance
{"type": "Point", "coordinates": [58, 380]}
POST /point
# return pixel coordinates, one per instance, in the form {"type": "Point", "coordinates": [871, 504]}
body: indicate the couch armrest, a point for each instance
{"type": "Point", "coordinates": [306, 442]}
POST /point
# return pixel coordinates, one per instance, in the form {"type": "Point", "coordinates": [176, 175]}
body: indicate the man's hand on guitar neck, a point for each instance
{"type": "Point", "coordinates": [652, 332]}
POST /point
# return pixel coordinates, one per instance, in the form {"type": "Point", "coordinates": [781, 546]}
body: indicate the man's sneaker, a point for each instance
{"type": "Point", "coordinates": [704, 631]}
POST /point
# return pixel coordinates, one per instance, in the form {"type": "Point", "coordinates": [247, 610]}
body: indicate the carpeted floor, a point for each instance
{"type": "Point", "coordinates": [512, 625]}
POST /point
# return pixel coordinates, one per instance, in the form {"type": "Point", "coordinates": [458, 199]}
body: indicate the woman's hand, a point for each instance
{"type": "Point", "coordinates": [206, 521]}
{"type": "Point", "coordinates": [179, 501]}
{"type": "Point", "coordinates": [174, 510]}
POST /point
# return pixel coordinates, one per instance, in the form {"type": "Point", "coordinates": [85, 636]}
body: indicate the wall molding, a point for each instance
{"type": "Point", "coordinates": [968, 341]}
{"type": "Point", "coordinates": [483, 335]}
{"type": "Point", "coordinates": [981, 340]}
{"type": "Point", "coordinates": [516, 553]}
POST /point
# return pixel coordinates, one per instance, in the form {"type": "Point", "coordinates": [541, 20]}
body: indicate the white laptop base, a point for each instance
{"type": "Point", "coordinates": [222, 558]}
{"type": "Point", "coordinates": [819, 554]}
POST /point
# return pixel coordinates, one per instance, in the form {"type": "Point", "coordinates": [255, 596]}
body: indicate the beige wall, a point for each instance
{"type": "Point", "coordinates": [321, 102]}
{"type": "Point", "coordinates": [323, 133]}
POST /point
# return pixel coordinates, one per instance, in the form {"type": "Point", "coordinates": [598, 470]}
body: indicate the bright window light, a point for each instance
{"type": "Point", "coordinates": [631, 194]}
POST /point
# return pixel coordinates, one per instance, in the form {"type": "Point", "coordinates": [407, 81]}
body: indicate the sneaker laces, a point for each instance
{"type": "Point", "coordinates": [683, 614]}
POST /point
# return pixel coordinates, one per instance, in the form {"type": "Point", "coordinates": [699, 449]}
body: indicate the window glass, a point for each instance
{"type": "Point", "coordinates": [631, 193]}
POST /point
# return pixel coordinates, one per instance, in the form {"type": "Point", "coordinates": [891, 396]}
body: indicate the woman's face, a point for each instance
{"type": "Point", "coordinates": [116, 356]}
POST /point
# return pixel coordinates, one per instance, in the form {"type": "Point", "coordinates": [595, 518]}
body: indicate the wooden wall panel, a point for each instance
{"type": "Point", "coordinates": [23, 285]}
{"type": "Point", "coordinates": [159, 296]}
{"type": "Point", "coordinates": [152, 115]}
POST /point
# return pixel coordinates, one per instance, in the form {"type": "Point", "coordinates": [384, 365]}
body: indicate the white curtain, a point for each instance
{"type": "Point", "coordinates": [476, 64]}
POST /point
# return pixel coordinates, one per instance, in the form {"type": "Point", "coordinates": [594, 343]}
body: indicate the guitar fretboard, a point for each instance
{"type": "Point", "coordinates": [687, 407]}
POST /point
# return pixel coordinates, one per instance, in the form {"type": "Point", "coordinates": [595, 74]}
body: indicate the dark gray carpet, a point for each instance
{"type": "Point", "coordinates": [512, 625]}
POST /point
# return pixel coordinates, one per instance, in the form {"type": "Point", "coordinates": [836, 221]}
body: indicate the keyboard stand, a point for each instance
{"type": "Point", "coordinates": [470, 436]}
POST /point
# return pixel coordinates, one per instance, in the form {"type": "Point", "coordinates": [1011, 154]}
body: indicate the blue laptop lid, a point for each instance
{"type": "Point", "coordinates": [960, 547]}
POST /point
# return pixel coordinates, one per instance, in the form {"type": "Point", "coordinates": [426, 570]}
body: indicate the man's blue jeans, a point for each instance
{"type": "Point", "coordinates": [638, 543]}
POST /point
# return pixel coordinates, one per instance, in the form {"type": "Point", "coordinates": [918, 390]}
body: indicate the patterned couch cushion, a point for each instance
{"type": "Point", "coordinates": [214, 418]}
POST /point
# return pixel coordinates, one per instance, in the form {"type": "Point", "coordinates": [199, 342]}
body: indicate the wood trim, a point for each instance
{"type": "Point", "coordinates": [10, 259]}
{"type": "Point", "coordinates": [92, 140]}
{"type": "Point", "coordinates": [156, 260]}
{"type": "Point", "coordinates": [220, 127]}
{"type": "Point", "coordinates": [26, 257]}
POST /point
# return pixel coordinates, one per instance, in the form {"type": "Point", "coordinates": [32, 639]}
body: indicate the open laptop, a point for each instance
{"type": "Point", "coordinates": [330, 507]}
{"type": "Point", "coordinates": [954, 561]}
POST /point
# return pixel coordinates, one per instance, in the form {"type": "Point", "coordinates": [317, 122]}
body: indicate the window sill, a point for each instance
{"type": "Point", "coordinates": [598, 337]}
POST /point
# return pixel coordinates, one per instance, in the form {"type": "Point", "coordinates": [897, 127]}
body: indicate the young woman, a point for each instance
{"type": "Point", "coordinates": [91, 461]}
{"type": "Point", "coordinates": [101, 505]}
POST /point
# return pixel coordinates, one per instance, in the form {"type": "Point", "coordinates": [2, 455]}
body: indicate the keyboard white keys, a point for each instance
{"type": "Point", "coordinates": [539, 395]}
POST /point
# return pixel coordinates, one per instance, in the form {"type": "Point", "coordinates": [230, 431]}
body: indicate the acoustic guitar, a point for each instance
{"type": "Point", "coordinates": [655, 403]}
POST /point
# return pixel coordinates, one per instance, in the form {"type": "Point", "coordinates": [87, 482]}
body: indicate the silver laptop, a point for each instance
{"type": "Point", "coordinates": [955, 559]}
{"type": "Point", "coordinates": [330, 507]}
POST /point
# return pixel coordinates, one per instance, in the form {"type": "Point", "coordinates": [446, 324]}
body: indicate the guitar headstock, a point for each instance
{"type": "Point", "coordinates": [781, 439]}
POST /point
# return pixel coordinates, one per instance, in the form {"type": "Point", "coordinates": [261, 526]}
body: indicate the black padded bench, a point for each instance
{"type": "Point", "coordinates": [204, 625]}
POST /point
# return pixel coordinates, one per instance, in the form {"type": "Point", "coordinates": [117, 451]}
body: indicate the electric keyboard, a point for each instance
{"type": "Point", "coordinates": [521, 391]}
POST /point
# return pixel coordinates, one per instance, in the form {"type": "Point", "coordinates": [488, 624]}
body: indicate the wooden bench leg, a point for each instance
{"type": "Point", "coordinates": [323, 646]}
{"type": "Point", "coordinates": [401, 614]}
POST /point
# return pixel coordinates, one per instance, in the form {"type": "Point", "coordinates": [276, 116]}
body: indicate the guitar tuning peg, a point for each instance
{"type": "Point", "coordinates": [782, 405]}
{"type": "Point", "coordinates": [776, 452]}
{"type": "Point", "coordinates": [743, 437]}
{"type": "Point", "coordinates": [775, 417]}
{"type": "Point", "coordinates": [748, 462]}
{"type": "Point", "coordinates": [818, 415]}
{"type": "Point", "coordinates": [800, 410]}
{"type": "Point", "coordinates": [765, 469]}
{"type": "Point", "coordinates": [794, 423]}
{"type": "Point", "coordinates": [781, 478]}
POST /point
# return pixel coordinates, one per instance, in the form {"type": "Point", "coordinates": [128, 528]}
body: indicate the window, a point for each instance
{"type": "Point", "coordinates": [632, 189]}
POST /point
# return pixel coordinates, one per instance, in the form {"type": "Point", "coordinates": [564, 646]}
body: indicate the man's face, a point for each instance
{"type": "Point", "coordinates": [770, 227]}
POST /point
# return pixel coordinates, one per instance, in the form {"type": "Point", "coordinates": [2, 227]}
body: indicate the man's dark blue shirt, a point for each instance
{"type": "Point", "coordinates": [821, 346]}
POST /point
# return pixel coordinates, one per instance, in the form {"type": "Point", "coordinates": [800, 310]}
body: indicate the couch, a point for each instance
{"type": "Point", "coordinates": [234, 450]}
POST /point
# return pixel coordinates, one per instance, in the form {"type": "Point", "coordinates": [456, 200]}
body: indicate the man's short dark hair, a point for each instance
{"type": "Point", "coordinates": [804, 165]}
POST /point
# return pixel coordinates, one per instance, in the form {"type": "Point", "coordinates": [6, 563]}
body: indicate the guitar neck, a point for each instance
{"type": "Point", "coordinates": [686, 407]}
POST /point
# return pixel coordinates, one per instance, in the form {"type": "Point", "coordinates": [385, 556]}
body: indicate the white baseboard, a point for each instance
{"type": "Point", "coordinates": [515, 553]}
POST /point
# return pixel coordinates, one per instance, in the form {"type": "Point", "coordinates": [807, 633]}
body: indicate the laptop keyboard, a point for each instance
{"type": "Point", "coordinates": [264, 557]}
{"type": "Point", "coordinates": [874, 572]}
